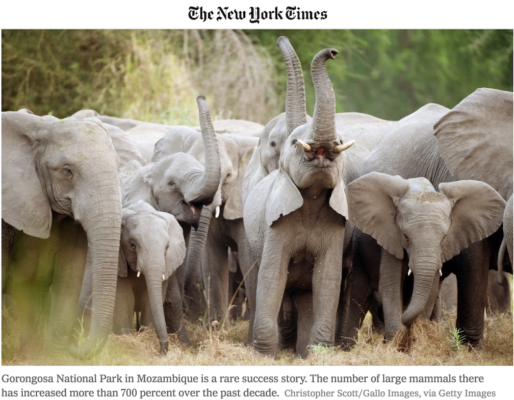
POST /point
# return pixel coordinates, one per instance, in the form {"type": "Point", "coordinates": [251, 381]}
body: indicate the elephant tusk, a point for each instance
{"type": "Point", "coordinates": [441, 272]}
{"type": "Point", "coordinates": [410, 272]}
{"type": "Point", "coordinates": [138, 273]}
{"type": "Point", "coordinates": [163, 278]}
{"type": "Point", "coordinates": [305, 146]}
{"type": "Point", "coordinates": [217, 212]}
{"type": "Point", "coordinates": [343, 147]}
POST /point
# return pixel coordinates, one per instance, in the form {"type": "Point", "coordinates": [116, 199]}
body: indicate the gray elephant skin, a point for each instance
{"type": "Point", "coordinates": [57, 173]}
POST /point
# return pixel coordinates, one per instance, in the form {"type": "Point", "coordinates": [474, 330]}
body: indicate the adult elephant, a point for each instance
{"type": "Point", "coordinates": [295, 221]}
{"type": "Point", "coordinates": [180, 185]}
{"type": "Point", "coordinates": [475, 141]}
{"type": "Point", "coordinates": [56, 171]}
{"type": "Point", "coordinates": [410, 150]}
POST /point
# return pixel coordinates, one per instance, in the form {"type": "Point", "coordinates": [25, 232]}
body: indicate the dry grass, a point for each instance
{"type": "Point", "coordinates": [431, 344]}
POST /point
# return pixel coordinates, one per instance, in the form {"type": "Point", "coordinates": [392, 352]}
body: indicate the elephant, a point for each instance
{"type": "Point", "coordinates": [295, 221]}
{"type": "Point", "coordinates": [416, 229]}
{"type": "Point", "coordinates": [410, 150]}
{"type": "Point", "coordinates": [207, 260]}
{"type": "Point", "coordinates": [152, 247]}
{"type": "Point", "coordinates": [60, 183]}
{"type": "Point", "coordinates": [180, 185]}
{"type": "Point", "coordinates": [475, 139]}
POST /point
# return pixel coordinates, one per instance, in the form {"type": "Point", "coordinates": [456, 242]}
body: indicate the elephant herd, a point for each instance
{"type": "Point", "coordinates": [320, 219]}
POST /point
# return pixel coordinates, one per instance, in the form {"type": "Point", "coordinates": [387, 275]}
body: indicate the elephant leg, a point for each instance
{"type": "Point", "coordinates": [377, 314]}
{"type": "Point", "coordinates": [344, 297]}
{"type": "Point", "coordinates": [287, 323]}
{"type": "Point", "coordinates": [471, 270]}
{"type": "Point", "coordinates": [215, 280]}
{"type": "Point", "coordinates": [70, 263]}
{"type": "Point", "coordinates": [173, 311]}
{"type": "Point", "coordinates": [272, 280]}
{"type": "Point", "coordinates": [326, 288]}
{"type": "Point", "coordinates": [304, 305]}
{"type": "Point", "coordinates": [8, 240]}
{"type": "Point", "coordinates": [392, 271]}
{"type": "Point", "coordinates": [124, 307]}
{"type": "Point", "coordinates": [235, 280]}
{"type": "Point", "coordinates": [498, 294]}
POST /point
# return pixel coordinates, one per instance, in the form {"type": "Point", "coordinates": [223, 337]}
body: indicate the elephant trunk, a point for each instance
{"type": "Point", "coordinates": [423, 279]}
{"type": "Point", "coordinates": [101, 220]}
{"type": "Point", "coordinates": [323, 121]}
{"type": "Point", "coordinates": [295, 94]}
{"type": "Point", "coordinates": [207, 185]}
{"type": "Point", "coordinates": [501, 255]}
{"type": "Point", "coordinates": [153, 277]}
{"type": "Point", "coordinates": [195, 252]}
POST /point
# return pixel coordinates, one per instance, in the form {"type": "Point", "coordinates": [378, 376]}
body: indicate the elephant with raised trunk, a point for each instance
{"type": "Point", "coordinates": [180, 185]}
{"type": "Point", "coordinates": [53, 172]}
{"type": "Point", "coordinates": [295, 221]}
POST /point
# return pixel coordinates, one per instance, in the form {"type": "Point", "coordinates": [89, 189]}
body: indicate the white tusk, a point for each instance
{"type": "Point", "coordinates": [343, 147]}
{"type": "Point", "coordinates": [138, 273]}
{"type": "Point", "coordinates": [441, 272]}
{"type": "Point", "coordinates": [217, 214]}
{"type": "Point", "coordinates": [305, 145]}
{"type": "Point", "coordinates": [410, 272]}
{"type": "Point", "coordinates": [163, 278]}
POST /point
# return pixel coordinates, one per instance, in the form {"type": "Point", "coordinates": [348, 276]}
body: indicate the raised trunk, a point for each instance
{"type": "Point", "coordinates": [423, 280]}
{"type": "Point", "coordinates": [205, 188]}
{"type": "Point", "coordinates": [323, 121]}
{"type": "Point", "coordinates": [102, 223]}
{"type": "Point", "coordinates": [194, 255]}
{"type": "Point", "coordinates": [154, 285]}
{"type": "Point", "coordinates": [295, 94]}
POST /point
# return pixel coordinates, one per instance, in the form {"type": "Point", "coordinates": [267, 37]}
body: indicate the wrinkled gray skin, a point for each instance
{"type": "Point", "coordinates": [266, 159]}
{"type": "Point", "coordinates": [295, 221]}
{"type": "Point", "coordinates": [179, 185]}
{"type": "Point", "coordinates": [62, 171]}
{"type": "Point", "coordinates": [410, 150]}
{"type": "Point", "coordinates": [499, 300]}
{"type": "Point", "coordinates": [475, 139]}
{"type": "Point", "coordinates": [152, 245]}
{"type": "Point", "coordinates": [419, 229]}
{"type": "Point", "coordinates": [207, 270]}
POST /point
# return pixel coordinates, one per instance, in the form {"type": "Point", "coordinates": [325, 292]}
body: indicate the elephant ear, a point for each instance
{"type": "Point", "coordinates": [338, 200]}
{"type": "Point", "coordinates": [234, 205]}
{"type": "Point", "coordinates": [477, 213]}
{"type": "Point", "coordinates": [25, 205]}
{"type": "Point", "coordinates": [284, 198]}
{"type": "Point", "coordinates": [475, 139]}
{"type": "Point", "coordinates": [372, 204]}
{"type": "Point", "coordinates": [177, 246]}
{"type": "Point", "coordinates": [253, 175]}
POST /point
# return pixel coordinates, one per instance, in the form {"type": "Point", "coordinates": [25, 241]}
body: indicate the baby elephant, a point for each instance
{"type": "Point", "coordinates": [152, 247]}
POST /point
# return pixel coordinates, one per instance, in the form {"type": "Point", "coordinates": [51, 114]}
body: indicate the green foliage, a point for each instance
{"type": "Point", "coordinates": [391, 73]}
{"type": "Point", "coordinates": [155, 75]}
{"type": "Point", "coordinates": [457, 338]}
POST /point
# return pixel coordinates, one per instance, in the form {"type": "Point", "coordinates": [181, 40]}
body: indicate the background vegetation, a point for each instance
{"type": "Point", "coordinates": [156, 75]}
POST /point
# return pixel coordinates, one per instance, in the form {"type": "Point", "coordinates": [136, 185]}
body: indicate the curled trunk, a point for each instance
{"type": "Point", "coordinates": [423, 280]}
{"type": "Point", "coordinates": [295, 94]}
{"type": "Point", "coordinates": [206, 187]}
{"type": "Point", "coordinates": [323, 121]}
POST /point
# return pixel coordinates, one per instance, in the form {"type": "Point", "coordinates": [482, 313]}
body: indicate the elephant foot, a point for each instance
{"type": "Point", "coordinates": [214, 324]}
{"type": "Point", "coordinates": [163, 348]}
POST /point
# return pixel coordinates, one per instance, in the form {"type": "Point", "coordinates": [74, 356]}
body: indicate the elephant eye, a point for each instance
{"type": "Point", "coordinates": [444, 238]}
{"type": "Point", "coordinates": [67, 172]}
{"type": "Point", "coordinates": [171, 183]}
{"type": "Point", "coordinates": [229, 175]}
{"type": "Point", "coordinates": [133, 246]}
{"type": "Point", "coordinates": [294, 141]}
{"type": "Point", "coordinates": [273, 143]}
{"type": "Point", "coordinates": [405, 236]}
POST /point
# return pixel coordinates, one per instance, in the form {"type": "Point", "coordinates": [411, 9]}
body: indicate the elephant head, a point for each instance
{"type": "Point", "coordinates": [432, 227]}
{"type": "Point", "coordinates": [152, 244]}
{"type": "Point", "coordinates": [178, 184]}
{"type": "Point", "coordinates": [312, 154]}
{"type": "Point", "coordinates": [68, 167]}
